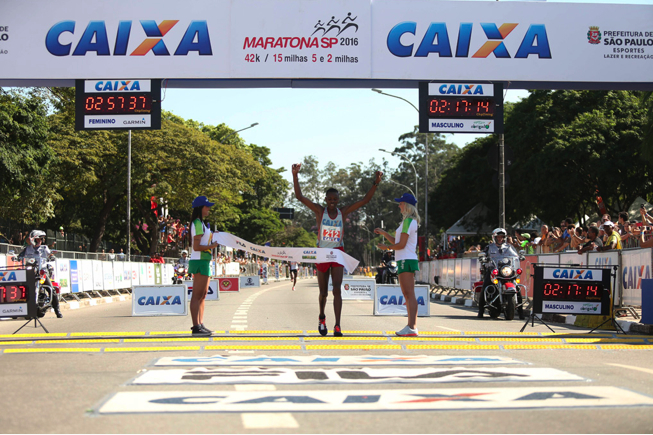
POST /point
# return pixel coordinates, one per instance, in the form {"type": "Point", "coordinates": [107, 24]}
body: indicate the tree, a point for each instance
{"type": "Point", "coordinates": [28, 190]}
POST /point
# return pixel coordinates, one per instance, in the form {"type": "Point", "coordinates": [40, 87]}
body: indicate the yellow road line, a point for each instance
{"type": "Point", "coordinates": [604, 340]}
{"type": "Point", "coordinates": [179, 332]}
{"type": "Point", "coordinates": [549, 346]}
{"type": "Point", "coordinates": [529, 339]}
{"type": "Point", "coordinates": [101, 340]}
{"type": "Point", "coordinates": [150, 349]}
{"type": "Point", "coordinates": [434, 338]}
{"type": "Point", "coordinates": [57, 334]}
{"type": "Point", "coordinates": [498, 333]}
{"type": "Point", "coordinates": [627, 347]}
{"type": "Point", "coordinates": [100, 334]}
{"type": "Point", "coordinates": [254, 347]}
{"type": "Point", "coordinates": [453, 346]}
{"type": "Point", "coordinates": [352, 346]}
{"type": "Point", "coordinates": [163, 340]}
{"type": "Point", "coordinates": [347, 338]}
{"type": "Point", "coordinates": [54, 350]}
{"type": "Point", "coordinates": [434, 332]}
{"type": "Point", "coordinates": [266, 332]}
{"type": "Point", "coordinates": [3, 343]}
{"type": "Point", "coordinates": [245, 338]}
{"type": "Point", "coordinates": [315, 331]}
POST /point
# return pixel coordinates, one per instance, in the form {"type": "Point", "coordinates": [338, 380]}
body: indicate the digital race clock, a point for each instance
{"type": "Point", "coordinates": [117, 104]}
{"type": "Point", "coordinates": [17, 292]}
{"type": "Point", "coordinates": [565, 289]}
{"type": "Point", "coordinates": [460, 108]}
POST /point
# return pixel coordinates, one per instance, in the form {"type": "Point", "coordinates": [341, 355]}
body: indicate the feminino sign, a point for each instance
{"type": "Point", "coordinates": [357, 39]}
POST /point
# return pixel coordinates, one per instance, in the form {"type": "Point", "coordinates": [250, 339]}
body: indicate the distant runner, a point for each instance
{"type": "Point", "coordinates": [330, 235]}
{"type": "Point", "coordinates": [293, 273]}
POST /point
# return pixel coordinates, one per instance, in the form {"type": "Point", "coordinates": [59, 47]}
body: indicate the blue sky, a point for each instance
{"type": "Point", "coordinates": [339, 125]}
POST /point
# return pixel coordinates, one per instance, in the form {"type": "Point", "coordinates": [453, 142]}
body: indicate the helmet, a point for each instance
{"type": "Point", "coordinates": [37, 234]}
{"type": "Point", "coordinates": [184, 252]}
{"type": "Point", "coordinates": [498, 232]}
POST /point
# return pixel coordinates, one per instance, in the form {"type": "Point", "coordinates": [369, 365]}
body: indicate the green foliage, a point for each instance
{"type": "Point", "coordinates": [294, 236]}
{"type": "Point", "coordinates": [566, 146]}
{"type": "Point", "coordinates": [28, 189]}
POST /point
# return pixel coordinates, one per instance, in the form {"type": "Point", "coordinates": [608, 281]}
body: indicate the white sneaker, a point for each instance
{"type": "Point", "coordinates": [407, 332]}
{"type": "Point", "coordinates": [293, 288]}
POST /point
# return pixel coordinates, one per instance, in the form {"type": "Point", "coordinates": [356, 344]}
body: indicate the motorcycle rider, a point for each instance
{"type": "Point", "coordinates": [388, 256]}
{"type": "Point", "coordinates": [183, 261]}
{"type": "Point", "coordinates": [493, 251]}
{"type": "Point", "coordinates": [37, 249]}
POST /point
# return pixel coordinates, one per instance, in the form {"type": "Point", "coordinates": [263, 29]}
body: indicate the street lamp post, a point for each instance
{"type": "Point", "coordinates": [426, 170]}
{"type": "Point", "coordinates": [401, 156]}
{"type": "Point", "coordinates": [411, 190]}
{"type": "Point", "coordinates": [223, 139]}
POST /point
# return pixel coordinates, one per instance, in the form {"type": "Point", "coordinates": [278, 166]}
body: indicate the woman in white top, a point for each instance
{"type": "Point", "coordinates": [404, 243]}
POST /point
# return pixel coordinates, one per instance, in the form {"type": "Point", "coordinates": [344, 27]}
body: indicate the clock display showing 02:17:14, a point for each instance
{"type": "Point", "coordinates": [117, 104]}
{"type": "Point", "coordinates": [460, 107]}
{"type": "Point", "coordinates": [572, 291]}
{"type": "Point", "coordinates": [10, 294]}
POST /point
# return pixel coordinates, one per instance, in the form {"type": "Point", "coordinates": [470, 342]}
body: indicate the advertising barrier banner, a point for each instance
{"type": "Point", "coordinates": [98, 275]}
{"type": "Point", "coordinates": [149, 277]}
{"type": "Point", "coordinates": [213, 294]}
{"type": "Point", "coordinates": [158, 274]}
{"type": "Point", "coordinates": [87, 275]}
{"type": "Point", "coordinates": [573, 258]}
{"type": "Point", "coordinates": [389, 301]}
{"type": "Point", "coordinates": [229, 284]}
{"type": "Point", "coordinates": [356, 289]}
{"type": "Point", "coordinates": [107, 275]}
{"type": "Point", "coordinates": [250, 281]}
{"type": "Point", "coordinates": [635, 266]}
{"type": "Point", "coordinates": [62, 274]}
{"type": "Point", "coordinates": [163, 300]}
{"type": "Point", "coordinates": [232, 268]}
{"type": "Point", "coordinates": [75, 275]}
{"type": "Point", "coordinates": [135, 269]}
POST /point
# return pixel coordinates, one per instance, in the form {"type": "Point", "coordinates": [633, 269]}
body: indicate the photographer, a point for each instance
{"type": "Point", "coordinates": [593, 241]}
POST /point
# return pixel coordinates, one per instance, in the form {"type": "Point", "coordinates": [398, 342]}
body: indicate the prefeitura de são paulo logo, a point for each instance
{"type": "Point", "coordinates": [594, 35]}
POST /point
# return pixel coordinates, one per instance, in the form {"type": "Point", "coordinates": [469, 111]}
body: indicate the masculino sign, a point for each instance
{"type": "Point", "coordinates": [357, 39]}
{"type": "Point", "coordinates": [159, 300]}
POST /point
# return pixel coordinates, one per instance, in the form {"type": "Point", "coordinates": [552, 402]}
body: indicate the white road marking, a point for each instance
{"type": "Point", "coordinates": [283, 420]}
{"type": "Point", "coordinates": [640, 369]}
{"type": "Point", "coordinates": [238, 321]}
{"type": "Point", "coordinates": [448, 329]}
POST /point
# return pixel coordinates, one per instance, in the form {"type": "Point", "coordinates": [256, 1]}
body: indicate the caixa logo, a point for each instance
{"type": "Point", "coordinates": [572, 274]}
{"type": "Point", "coordinates": [159, 300]}
{"type": "Point", "coordinates": [8, 276]}
{"type": "Point", "coordinates": [436, 40]}
{"type": "Point", "coordinates": [393, 300]}
{"type": "Point", "coordinates": [95, 39]}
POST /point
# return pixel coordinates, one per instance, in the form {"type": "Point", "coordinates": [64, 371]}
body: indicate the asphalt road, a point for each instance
{"type": "Point", "coordinates": [96, 372]}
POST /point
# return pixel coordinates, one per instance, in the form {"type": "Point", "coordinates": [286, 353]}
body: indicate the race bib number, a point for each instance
{"type": "Point", "coordinates": [331, 234]}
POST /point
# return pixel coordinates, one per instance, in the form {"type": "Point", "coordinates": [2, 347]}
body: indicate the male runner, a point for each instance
{"type": "Point", "coordinates": [330, 227]}
{"type": "Point", "coordinates": [294, 266]}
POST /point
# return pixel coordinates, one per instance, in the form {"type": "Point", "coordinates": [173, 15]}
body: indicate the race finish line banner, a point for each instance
{"type": "Point", "coordinates": [300, 255]}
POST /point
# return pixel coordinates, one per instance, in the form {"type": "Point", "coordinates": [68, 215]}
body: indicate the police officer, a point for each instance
{"type": "Point", "coordinates": [496, 249]}
{"type": "Point", "coordinates": [37, 249]}
{"type": "Point", "coordinates": [183, 261]}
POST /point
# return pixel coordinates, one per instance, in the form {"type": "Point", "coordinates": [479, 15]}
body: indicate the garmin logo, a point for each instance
{"type": "Point", "coordinates": [135, 122]}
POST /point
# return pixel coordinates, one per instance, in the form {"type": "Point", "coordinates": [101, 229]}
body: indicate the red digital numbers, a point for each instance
{"type": "Point", "coordinates": [571, 291]}
{"type": "Point", "coordinates": [460, 107]}
{"type": "Point", "coordinates": [13, 293]}
{"type": "Point", "coordinates": [111, 104]}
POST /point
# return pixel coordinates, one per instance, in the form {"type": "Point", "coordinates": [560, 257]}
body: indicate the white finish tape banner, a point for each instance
{"type": "Point", "coordinates": [352, 39]}
{"type": "Point", "coordinates": [159, 300]}
{"type": "Point", "coordinates": [389, 301]}
{"type": "Point", "coordinates": [301, 255]}
{"type": "Point", "coordinates": [280, 375]}
{"type": "Point", "coordinates": [349, 360]}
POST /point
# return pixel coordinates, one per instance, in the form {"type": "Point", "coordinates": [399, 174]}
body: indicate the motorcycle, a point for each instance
{"type": "Point", "coordinates": [390, 276]}
{"type": "Point", "coordinates": [505, 294]}
{"type": "Point", "coordinates": [44, 293]}
{"type": "Point", "coordinates": [181, 274]}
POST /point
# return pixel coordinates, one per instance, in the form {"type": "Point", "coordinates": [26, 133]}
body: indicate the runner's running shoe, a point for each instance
{"type": "Point", "coordinates": [336, 331]}
{"type": "Point", "coordinates": [197, 330]}
{"type": "Point", "coordinates": [407, 332]}
{"type": "Point", "coordinates": [293, 288]}
{"type": "Point", "coordinates": [322, 328]}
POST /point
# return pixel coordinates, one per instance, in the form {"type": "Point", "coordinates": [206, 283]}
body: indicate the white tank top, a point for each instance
{"type": "Point", "coordinates": [330, 231]}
